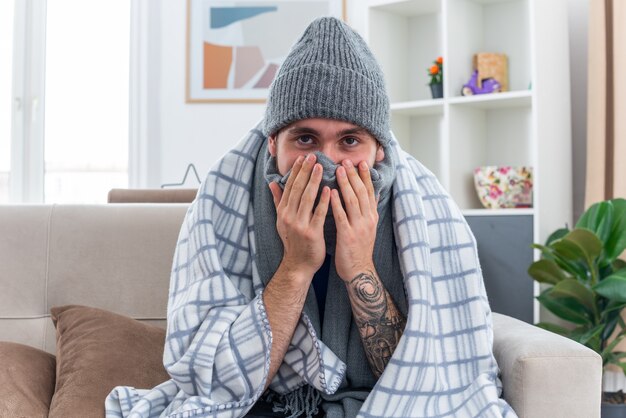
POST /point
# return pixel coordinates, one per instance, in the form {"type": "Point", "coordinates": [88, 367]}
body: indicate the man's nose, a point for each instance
{"type": "Point", "coordinates": [331, 153]}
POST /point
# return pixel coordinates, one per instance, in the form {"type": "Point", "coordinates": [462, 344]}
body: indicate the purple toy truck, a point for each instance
{"type": "Point", "coordinates": [490, 85]}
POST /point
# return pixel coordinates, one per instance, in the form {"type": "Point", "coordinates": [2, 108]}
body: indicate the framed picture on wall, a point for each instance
{"type": "Point", "coordinates": [234, 48]}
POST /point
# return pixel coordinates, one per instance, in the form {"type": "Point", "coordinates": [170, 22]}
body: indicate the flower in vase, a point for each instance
{"type": "Point", "coordinates": [436, 71]}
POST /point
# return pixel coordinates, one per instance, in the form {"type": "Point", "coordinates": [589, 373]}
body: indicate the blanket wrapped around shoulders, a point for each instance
{"type": "Point", "coordinates": [218, 335]}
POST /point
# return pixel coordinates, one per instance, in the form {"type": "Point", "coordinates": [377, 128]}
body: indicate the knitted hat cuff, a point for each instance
{"type": "Point", "coordinates": [320, 90]}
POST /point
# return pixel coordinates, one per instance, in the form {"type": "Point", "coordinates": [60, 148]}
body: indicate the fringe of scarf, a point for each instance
{"type": "Point", "coordinates": [302, 402]}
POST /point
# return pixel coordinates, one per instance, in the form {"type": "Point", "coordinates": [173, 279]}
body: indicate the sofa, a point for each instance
{"type": "Point", "coordinates": [83, 299]}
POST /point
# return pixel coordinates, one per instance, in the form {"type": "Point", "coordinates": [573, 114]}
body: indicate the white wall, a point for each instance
{"type": "Point", "coordinates": [198, 133]}
{"type": "Point", "coordinates": [202, 133]}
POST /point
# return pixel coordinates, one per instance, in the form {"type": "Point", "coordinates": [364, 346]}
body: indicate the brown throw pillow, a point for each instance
{"type": "Point", "coordinates": [98, 350]}
{"type": "Point", "coordinates": [26, 380]}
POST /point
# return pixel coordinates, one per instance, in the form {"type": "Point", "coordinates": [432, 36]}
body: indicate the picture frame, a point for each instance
{"type": "Point", "coordinates": [234, 48]}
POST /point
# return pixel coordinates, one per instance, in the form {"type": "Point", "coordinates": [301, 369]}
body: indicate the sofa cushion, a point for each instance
{"type": "Point", "coordinates": [26, 380]}
{"type": "Point", "coordinates": [98, 350]}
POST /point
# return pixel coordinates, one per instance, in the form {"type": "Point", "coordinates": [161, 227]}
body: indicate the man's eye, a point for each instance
{"type": "Point", "coordinates": [351, 141]}
{"type": "Point", "coordinates": [305, 139]}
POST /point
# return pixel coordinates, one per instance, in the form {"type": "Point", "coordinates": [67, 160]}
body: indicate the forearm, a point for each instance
{"type": "Point", "coordinates": [284, 299]}
{"type": "Point", "coordinates": [379, 321]}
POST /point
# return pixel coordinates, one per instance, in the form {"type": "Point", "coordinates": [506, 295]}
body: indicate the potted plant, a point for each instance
{"type": "Point", "coordinates": [588, 286]}
{"type": "Point", "coordinates": [436, 78]}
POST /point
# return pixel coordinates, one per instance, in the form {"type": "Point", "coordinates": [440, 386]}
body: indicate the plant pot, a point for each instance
{"type": "Point", "coordinates": [436, 90]}
{"type": "Point", "coordinates": [613, 410]}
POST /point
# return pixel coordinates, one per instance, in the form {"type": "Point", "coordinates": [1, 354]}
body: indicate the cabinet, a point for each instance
{"type": "Point", "coordinates": [527, 125]}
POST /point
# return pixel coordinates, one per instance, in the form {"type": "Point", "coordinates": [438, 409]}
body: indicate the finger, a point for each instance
{"type": "Point", "coordinates": [339, 214]}
{"type": "Point", "coordinates": [297, 166]}
{"type": "Point", "coordinates": [358, 187]}
{"type": "Point", "coordinates": [277, 193]}
{"type": "Point", "coordinates": [319, 217]}
{"type": "Point", "coordinates": [349, 197]}
{"type": "Point", "coordinates": [366, 176]}
{"type": "Point", "coordinates": [305, 211]}
{"type": "Point", "coordinates": [300, 183]}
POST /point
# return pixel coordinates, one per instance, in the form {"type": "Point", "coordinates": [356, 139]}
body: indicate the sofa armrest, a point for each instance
{"type": "Point", "coordinates": [544, 374]}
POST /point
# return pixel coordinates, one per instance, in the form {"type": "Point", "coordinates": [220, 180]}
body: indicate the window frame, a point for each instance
{"type": "Point", "coordinates": [27, 166]}
{"type": "Point", "coordinates": [26, 180]}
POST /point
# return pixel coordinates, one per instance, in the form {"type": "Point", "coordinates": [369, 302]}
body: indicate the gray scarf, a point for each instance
{"type": "Point", "coordinates": [339, 331]}
{"type": "Point", "coordinates": [382, 179]}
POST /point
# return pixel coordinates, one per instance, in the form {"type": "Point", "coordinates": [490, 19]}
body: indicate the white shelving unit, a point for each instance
{"type": "Point", "coordinates": [527, 125]}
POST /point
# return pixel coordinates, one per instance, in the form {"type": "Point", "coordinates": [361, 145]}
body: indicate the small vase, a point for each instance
{"type": "Point", "coordinates": [437, 90]}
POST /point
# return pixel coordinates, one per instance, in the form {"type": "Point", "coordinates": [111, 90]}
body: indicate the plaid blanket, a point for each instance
{"type": "Point", "coordinates": [218, 335]}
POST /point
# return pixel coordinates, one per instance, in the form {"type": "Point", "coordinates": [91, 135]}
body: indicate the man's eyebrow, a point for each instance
{"type": "Point", "coordinates": [299, 130]}
{"type": "Point", "coordinates": [353, 131]}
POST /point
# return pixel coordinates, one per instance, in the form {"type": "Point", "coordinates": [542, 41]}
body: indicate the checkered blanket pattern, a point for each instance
{"type": "Point", "coordinates": [218, 335]}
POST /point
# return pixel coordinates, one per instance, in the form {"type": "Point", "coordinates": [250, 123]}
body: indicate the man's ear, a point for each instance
{"type": "Point", "coordinates": [272, 146]}
{"type": "Point", "coordinates": [380, 153]}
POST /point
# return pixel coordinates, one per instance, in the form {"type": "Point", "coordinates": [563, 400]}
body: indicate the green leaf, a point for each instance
{"type": "Point", "coordinates": [588, 336]}
{"type": "Point", "coordinates": [616, 243]}
{"type": "Point", "coordinates": [574, 289]}
{"type": "Point", "coordinates": [598, 218]}
{"type": "Point", "coordinates": [595, 344]}
{"type": "Point", "coordinates": [564, 308]}
{"type": "Point", "coordinates": [614, 358]}
{"type": "Point", "coordinates": [613, 306]}
{"type": "Point", "coordinates": [616, 355]}
{"type": "Point", "coordinates": [620, 320]}
{"type": "Point", "coordinates": [543, 248]}
{"type": "Point", "coordinates": [608, 220]}
{"type": "Point", "coordinates": [557, 329]}
{"type": "Point", "coordinates": [568, 250]}
{"type": "Point", "coordinates": [579, 246]}
{"type": "Point", "coordinates": [620, 364]}
{"type": "Point", "coordinates": [618, 264]}
{"type": "Point", "coordinates": [609, 348]}
{"type": "Point", "coordinates": [611, 322]}
{"type": "Point", "coordinates": [576, 252]}
{"type": "Point", "coordinates": [547, 271]}
{"type": "Point", "coordinates": [613, 287]}
{"type": "Point", "coordinates": [556, 235]}
{"type": "Point", "coordinates": [591, 333]}
{"type": "Point", "coordinates": [574, 267]}
{"type": "Point", "coordinates": [587, 241]}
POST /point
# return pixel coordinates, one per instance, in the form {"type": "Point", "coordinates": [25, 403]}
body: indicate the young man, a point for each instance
{"type": "Point", "coordinates": [338, 285]}
{"type": "Point", "coordinates": [301, 228]}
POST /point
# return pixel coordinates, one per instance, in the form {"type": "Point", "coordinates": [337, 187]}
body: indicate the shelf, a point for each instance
{"type": "Point", "coordinates": [507, 99]}
{"type": "Point", "coordinates": [418, 107]}
{"type": "Point", "coordinates": [405, 37]}
{"type": "Point", "coordinates": [498, 212]}
{"type": "Point", "coordinates": [488, 26]}
{"type": "Point", "coordinates": [527, 125]}
{"type": "Point", "coordinates": [426, 107]}
{"type": "Point", "coordinates": [406, 7]}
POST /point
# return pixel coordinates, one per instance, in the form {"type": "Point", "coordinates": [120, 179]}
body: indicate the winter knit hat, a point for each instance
{"type": "Point", "coordinates": [329, 73]}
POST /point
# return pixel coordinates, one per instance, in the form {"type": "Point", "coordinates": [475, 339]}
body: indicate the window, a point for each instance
{"type": "Point", "coordinates": [6, 101]}
{"type": "Point", "coordinates": [64, 100]}
{"type": "Point", "coordinates": [86, 99]}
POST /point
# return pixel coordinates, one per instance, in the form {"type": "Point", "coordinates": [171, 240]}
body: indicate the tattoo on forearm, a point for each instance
{"type": "Point", "coordinates": [379, 321]}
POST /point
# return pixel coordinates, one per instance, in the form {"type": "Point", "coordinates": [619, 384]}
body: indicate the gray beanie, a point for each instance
{"type": "Point", "coordinates": [329, 73]}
